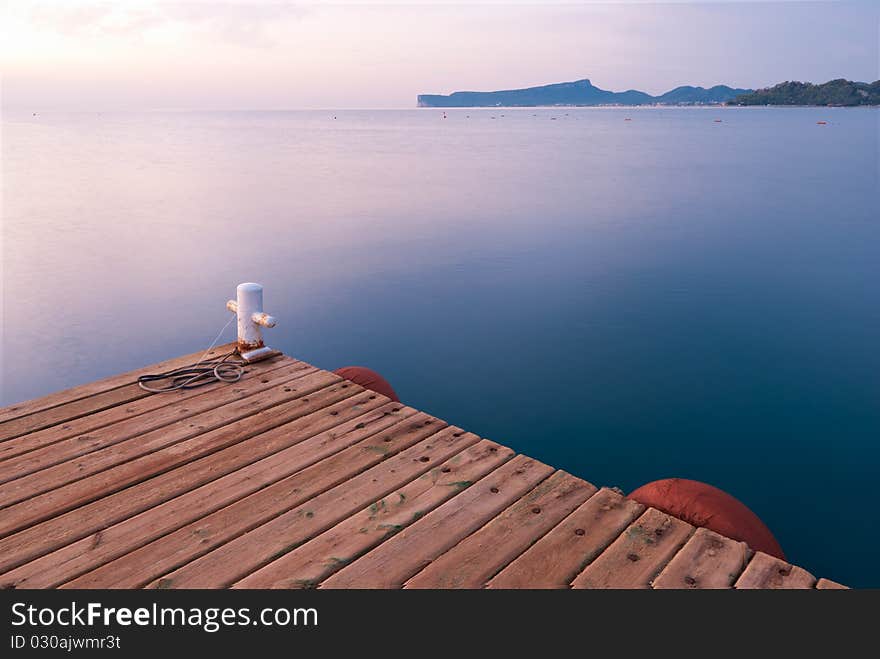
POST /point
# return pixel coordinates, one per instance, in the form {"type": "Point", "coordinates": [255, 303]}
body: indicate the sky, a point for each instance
{"type": "Point", "coordinates": [147, 55]}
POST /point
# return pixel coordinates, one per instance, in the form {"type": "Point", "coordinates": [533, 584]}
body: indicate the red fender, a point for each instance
{"type": "Point", "coordinates": [705, 506]}
{"type": "Point", "coordinates": [368, 379]}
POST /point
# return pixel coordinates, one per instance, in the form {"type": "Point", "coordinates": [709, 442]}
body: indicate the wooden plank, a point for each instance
{"type": "Point", "coordinates": [397, 559]}
{"type": "Point", "coordinates": [62, 443]}
{"type": "Point", "coordinates": [641, 551]}
{"type": "Point", "coordinates": [37, 405]}
{"type": "Point", "coordinates": [317, 416]}
{"type": "Point", "coordinates": [77, 493]}
{"type": "Point", "coordinates": [477, 558]}
{"type": "Point", "coordinates": [765, 571]}
{"type": "Point", "coordinates": [248, 398]}
{"type": "Point", "coordinates": [238, 558]}
{"type": "Point", "coordinates": [827, 584]}
{"type": "Point", "coordinates": [74, 410]}
{"type": "Point", "coordinates": [104, 485]}
{"type": "Point", "coordinates": [84, 424]}
{"type": "Point", "coordinates": [93, 405]}
{"type": "Point", "coordinates": [707, 560]}
{"type": "Point", "coordinates": [287, 450]}
{"type": "Point", "coordinates": [559, 556]}
{"type": "Point", "coordinates": [198, 538]}
{"type": "Point", "coordinates": [308, 564]}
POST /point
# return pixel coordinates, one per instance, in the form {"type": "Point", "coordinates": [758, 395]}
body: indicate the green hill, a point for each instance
{"type": "Point", "coordinates": [834, 92]}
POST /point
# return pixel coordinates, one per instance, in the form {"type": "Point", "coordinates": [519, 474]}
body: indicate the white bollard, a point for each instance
{"type": "Point", "coordinates": [249, 310]}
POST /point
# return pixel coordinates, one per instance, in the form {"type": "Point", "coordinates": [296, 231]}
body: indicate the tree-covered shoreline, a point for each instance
{"type": "Point", "coordinates": [834, 92]}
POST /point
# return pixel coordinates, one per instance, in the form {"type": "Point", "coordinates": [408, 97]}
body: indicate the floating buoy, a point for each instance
{"type": "Point", "coordinates": [368, 379]}
{"type": "Point", "coordinates": [705, 506]}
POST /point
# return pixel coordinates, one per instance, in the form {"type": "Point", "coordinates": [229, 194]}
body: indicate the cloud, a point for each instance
{"type": "Point", "coordinates": [236, 23]}
{"type": "Point", "coordinates": [240, 24]}
{"type": "Point", "coordinates": [91, 19]}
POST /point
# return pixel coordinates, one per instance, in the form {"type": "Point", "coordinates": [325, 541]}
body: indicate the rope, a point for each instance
{"type": "Point", "coordinates": [198, 374]}
{"type": "Point", "coordinates": [195, 375]}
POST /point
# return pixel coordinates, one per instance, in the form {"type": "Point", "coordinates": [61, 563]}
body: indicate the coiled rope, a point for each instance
{"type": "Point", "coordinates": [199, 374]}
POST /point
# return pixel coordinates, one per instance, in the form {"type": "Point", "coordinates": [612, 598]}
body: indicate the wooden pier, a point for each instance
{"type": "Point", "coordinates": [295, 478]}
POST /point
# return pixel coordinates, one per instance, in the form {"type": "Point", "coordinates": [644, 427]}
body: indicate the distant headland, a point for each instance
{"type": "Point", "coordinates": [584, 93]}
{"type": "Point", "coordinates": [579, 92]}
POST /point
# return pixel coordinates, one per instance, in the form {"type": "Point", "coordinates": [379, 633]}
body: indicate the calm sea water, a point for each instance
{"type": "Point", "coordinates": [627, 300]}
